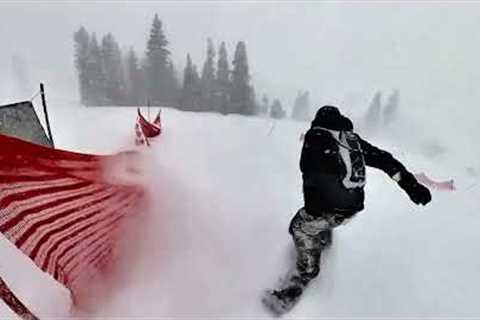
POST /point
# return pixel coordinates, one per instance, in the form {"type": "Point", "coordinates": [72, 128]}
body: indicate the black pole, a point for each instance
{"type": "Point", "coordinates": [148, 106]}
{"type": "Point", "coordinates": [42, 93]}
{"type": "Point", "coordinates": [14, 303]}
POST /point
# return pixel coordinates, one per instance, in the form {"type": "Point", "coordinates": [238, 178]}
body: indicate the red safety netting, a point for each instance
{"type": "Point", "coordinates": [65, 210]}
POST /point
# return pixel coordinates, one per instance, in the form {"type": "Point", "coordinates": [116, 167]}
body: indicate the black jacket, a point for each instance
{"type": "Point", "coordinates": [324, 171]}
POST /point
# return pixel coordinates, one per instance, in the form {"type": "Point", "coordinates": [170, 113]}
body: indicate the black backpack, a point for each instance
{"type": "Point", "coordinates": [351, 155]}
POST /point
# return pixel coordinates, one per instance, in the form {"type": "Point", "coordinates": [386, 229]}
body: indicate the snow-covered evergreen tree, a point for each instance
{"type": "Point", "coordinates": [95, 74]}
{"type": "Point", "coordinates": [208, 78]}
{"type": "Point", "coordinates": [372, 117]}
{"type": "Point", "coordinates": [241, 95]}
{"type": "Point", "coordinates": [159, 71]}
{"type": "Point", "coordinates": [391, 108]}
{"type": "Point", "coordinates": [253, 101]}
{"type": "Point", "coordinates": [115, 87]}
{"type": "Point", "coordinates": [276, 110]}
{"type": "Point", "coordinates": [134, 80]}
{"type": "Point", "coordinates": [191, 87]}
{"type": "Point", "coordinates": [222, 95]}
{"type": "Point", "coordinates": [301, 107]}
{"type": "Point", "coordinates": [81, 40]}
{"type": "Point", "coordinates": [265, 105]}
{"type": "Point", "coordinates": [173, 88]}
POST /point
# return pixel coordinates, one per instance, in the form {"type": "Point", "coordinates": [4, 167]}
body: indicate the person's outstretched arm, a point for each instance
{"type": "Point", "coordinates": [383, 160]}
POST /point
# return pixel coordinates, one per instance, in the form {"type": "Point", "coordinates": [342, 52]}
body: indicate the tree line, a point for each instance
{"type": "Point", "coordinates": [219, 87]}
{"type": "Point", "coordinates": [106, 76]}
{"type": "Point", "coordinates": [382, 114]}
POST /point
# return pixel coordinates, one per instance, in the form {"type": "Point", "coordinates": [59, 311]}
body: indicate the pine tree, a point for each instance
{"type": "Point", "coordinates": [95, 74]}
{"type": "Point", "coordinates": [187, 88]}
{"type": "Point", "coordinates": [301, 108]}
{"type": "Point", "coordinates": [297, 104]}
{"type": "Point", "coordinates": [240, 97]}
{"type": "Point", "coordinates": [191, 87]}
{"type": "Point", "coordinates": [196, 77]}
{"type": "Point", "coordinates": [372, 117]}
{"type": "Point", "coordinates": [208, 78]}
{"type": "Point", "coordinates": [135, 79]}
{"type": "Point", "coordinates": [223, 81]}
{"type": "Point", "coordinates": [81, 40]}
{"type": "Point", "coordinates": [114, 75]}
{"type": "Point", "coordinates": [172, 85]}
{"type": "Point", "coordinates": [276, 110]}
{"type": "Point", "coordinates": [159, 72]}
{"type": "Point", "coordinates": [265, 105]}
{"type": "Point", "coordinates": [391, 108]}
{"type": "Point", "coordinates": [253, 100]}
{"type": "Point", "coordinates": [196, 89]}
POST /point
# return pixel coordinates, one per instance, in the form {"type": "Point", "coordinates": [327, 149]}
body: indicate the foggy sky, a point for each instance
{"type": "Point", "coordinates": [341, 51]}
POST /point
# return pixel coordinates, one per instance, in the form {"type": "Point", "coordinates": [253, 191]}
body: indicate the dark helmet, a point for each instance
{"type": "Point", "coordinates": [329, 117]}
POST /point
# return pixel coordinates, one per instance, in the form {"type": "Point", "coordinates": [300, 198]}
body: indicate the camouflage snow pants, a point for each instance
{"type": "Point", "coordinates": [311, 235]}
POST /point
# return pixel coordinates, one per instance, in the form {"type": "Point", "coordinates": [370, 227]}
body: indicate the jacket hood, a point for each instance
{"type": "Point", "coordinates": [329, 117]}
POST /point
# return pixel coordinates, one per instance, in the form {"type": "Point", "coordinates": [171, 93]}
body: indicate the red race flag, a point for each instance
{"type": "Point", "coordinates": [149, 130]}
{"type": "Point", "coordinates": [447, 185]}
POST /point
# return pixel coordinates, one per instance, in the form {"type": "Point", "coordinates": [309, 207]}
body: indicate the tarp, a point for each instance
{"type": "Point", "coordinates": [66, 210]}
{"type": "Point", "coordinates": [145, 129]}
{"type": "Point", "coordinates": [150, 130]}
{"type": "Point", "coordinates": [20, 120]}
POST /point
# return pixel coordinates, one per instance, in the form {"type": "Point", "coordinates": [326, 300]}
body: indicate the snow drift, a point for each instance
{"type": "Point", "coordinates": [223, 190]}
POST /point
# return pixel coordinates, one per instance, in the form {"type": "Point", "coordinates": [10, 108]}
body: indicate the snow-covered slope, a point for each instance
{"type": "Point", "coordinates": [223, 191]}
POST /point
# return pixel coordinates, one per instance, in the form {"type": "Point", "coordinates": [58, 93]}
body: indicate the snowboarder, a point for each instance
{"type": "Point", "coordinates": [333, 163]}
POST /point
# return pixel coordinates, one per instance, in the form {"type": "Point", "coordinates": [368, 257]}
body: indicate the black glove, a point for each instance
{"type": "Point", "coordinates": [417, 192]}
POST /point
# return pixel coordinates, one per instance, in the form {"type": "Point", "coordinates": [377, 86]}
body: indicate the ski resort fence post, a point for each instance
{"type": "Point", "coordinates": [44, 103]}
{"type": "Point", "coordinates": [148, 106]}
{"type": "Point", "coordinates": [14, 303]}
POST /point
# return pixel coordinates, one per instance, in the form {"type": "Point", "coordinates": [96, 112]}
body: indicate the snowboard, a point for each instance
{"type": "Point", "coordinates": [281, 300]}
{"type": "Point", "coordinates": [287, 293]}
